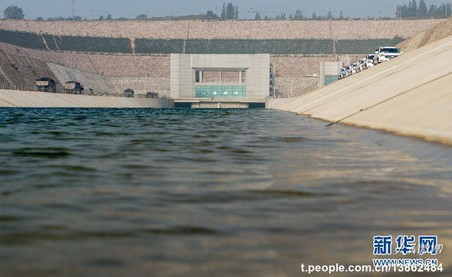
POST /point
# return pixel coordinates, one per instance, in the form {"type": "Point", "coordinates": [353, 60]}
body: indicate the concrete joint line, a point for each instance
{"type": "Point", "coordinates": [9, 102]}
{"type": "Point", "coordinates": [378, 80]}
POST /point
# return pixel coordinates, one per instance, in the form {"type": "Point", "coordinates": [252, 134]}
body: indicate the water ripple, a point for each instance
{"type": "Point", "coordinates": [139, 192]}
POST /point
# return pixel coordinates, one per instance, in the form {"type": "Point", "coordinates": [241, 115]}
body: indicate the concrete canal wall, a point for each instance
{"type": "Point", "coordinates": [15, 98]}
{"type": "Point", "coordinates": [411, 95]}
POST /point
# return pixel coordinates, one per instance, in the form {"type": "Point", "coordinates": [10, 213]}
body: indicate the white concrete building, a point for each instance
{"type": "Point", "coordinates": [220, 78]}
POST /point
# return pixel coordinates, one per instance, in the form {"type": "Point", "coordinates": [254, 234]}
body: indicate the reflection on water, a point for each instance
{"type": "Point", "coordinates": [207, 192]}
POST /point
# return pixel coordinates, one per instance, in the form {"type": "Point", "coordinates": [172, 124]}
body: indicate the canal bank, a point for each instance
{"type": "Point", "coordinates": [409, 96]}
{"type": "Point", "coordinates": [32, 99]}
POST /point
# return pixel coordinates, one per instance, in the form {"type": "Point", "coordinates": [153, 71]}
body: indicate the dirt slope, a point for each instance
{"type": "Point", "coordinates": [435, 33]}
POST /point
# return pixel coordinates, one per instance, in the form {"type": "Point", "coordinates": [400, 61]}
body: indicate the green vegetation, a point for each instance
{"type": "Point", "coordinates": [60, 18]}
{"type": "Point", "coordinates": [13, 12]}
{"type": "Point", "coordinates": [90, 44]}
{"type": "Point", "coordinates": [151, 46]}
{"type": "Point", "coordinates": [194, 46]}
{"type": "Point", "coordinates": [413, 10]}
{"type": "Point", "coordinates": [243, 46]}
{"type": "Point", "coordinates": [66, 43]}
{"type": "Point", "coordinates": [273, 46]}
{"type": "Point", "coordinates": [139, 17]}
{"type": "Point", "coordinates": [51, 41]}
{"type": "Point", "coordinates": [364, 46]}
{"type": "Point", "coordinates": [28, 40]}
{"type": "Point", "coordinates": [229, 11]}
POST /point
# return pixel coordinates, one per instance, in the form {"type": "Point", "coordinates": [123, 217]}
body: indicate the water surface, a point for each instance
{"type": "Point", "coordinates": [139, 192]}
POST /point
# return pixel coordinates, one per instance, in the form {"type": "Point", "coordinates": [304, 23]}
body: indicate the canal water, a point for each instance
{"type": "Point", "coordinates": [181, 192]}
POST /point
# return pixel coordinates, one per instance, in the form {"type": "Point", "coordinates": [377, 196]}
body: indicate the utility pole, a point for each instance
{"type": "Point", "coordinates": [169, 10]}
{"type": "Point", "coordinates": [73, 9]}
{"type": "Point", "coordinates": [447, 8]}
{"type": "Point", "coordinates": [93, 13]}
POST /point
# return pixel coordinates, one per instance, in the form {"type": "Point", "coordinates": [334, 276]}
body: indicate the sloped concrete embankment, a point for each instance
{"type": "Point", "coordinates": [100, 84]}
{"type": "Point", "coordinates": [411, 95]}
{"type": "Point", "coordinates": [14, 98]}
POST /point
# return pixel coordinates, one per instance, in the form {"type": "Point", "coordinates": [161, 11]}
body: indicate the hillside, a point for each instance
{"type": "Point", "coordinates": [18, 70]}
{"type": "Point", "coordinates": [231, 29]}
{"type": "Point", "coordinates": [435, 33]}
{"type": "Point", "coordinates": [339, 37]}
{"type": "Point", "coordinates": [110, 56]}
{"type": "Point", "coordinates": [20, 67]}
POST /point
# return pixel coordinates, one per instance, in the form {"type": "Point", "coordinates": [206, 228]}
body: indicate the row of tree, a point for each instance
{"type": "Point", "coordinates": [413, 9]}
{"type": "Point", "coordinates": [298, 15]}
{"type": "Point", "coordinates": [229, 11]}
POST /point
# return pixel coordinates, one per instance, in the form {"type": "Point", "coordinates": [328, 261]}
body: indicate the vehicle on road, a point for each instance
{"type": "Point", "coordinates": [73, 87]}
{"type": "Point", "coordinates": [152, 94]}
{"type": "Point", "coordinates": [343, 73]}
{"type": "Point", "coordinates": [129, 93]}
{"type": "Point", "coordinates": [46, 84]}
{"type": "Point", "coordinates": [386, 53]}
{"type": "Point", "coordinates": [369, 60]}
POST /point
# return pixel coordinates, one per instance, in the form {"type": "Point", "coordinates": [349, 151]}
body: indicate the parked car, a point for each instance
{"type": "Point", "coordinates": [384, 54]}
{"type": "Point", "coordinates": [352, 69]}
{"type": "Point", "coordinates": [73, 87]}
{"type": "Point", "coordinates": [369, 60]}
{"type": "Point", "coordinates": [362, 64]}
{"type": "Point", "coordinates": [46, 84]}
{"type": "Point", "coordinates": [151, 94]}
{"type": "Point", "coordinates": [129, 93]}
{"type": "Point", "coordinates": [343, 73]}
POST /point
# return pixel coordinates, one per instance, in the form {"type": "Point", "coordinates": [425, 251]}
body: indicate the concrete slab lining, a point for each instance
{"type": "Point", "coordinates": [411, 95]}
{"type": "Point", "coordinates": [14, 98]}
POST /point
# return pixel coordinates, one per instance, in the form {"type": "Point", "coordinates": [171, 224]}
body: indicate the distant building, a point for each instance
{"type": "Point", "coordinates": [329, 72]}
{"type": "Point", "coordinates": [220, 78]}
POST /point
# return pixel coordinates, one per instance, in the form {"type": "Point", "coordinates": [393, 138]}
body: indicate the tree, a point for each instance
{"type": "Point", "coordinates": [281, 16]}
{"type": "Point", "coordinates": [223, 12]}
{"type": "Point", "coordinates": [142, 16]}
{"type": "Point", "coordinates": [13, 12]}
{"type": "Point", "coordinates": [109, 17]}
{"type": "Point", "coordinates": [330, 15]}
{"type": "Point", "coordinates": [258, 16]}
{"type": "Point", "coordinates": [211, 15]}
{"type": "Point", "coordinates": [229, 11]}
{"type": "Point", "coordinates": [298, 15]}
{"type": "Point", "coordinates": [432, 11]}
{"type": "Point", "coordinates": [412, 7]}
{"type": "Point", "coordinates": [422, 9]}
{"type": "Point", "coordinates": [101, 17]}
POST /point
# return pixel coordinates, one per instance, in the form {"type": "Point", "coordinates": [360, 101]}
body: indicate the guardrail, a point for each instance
{"type": "Point", "coordinates": [310, 89]}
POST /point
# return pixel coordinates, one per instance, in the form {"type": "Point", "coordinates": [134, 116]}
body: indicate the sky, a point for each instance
{"type": "Point", "coordinates": [247, 9]}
